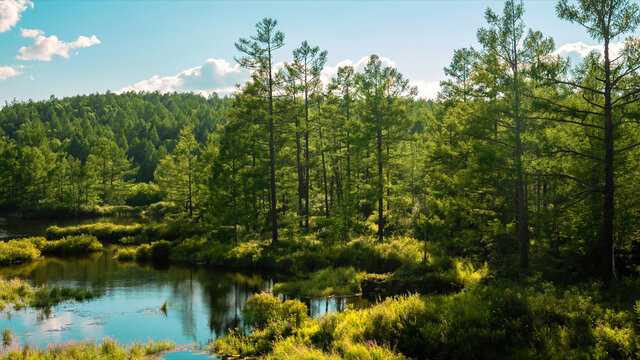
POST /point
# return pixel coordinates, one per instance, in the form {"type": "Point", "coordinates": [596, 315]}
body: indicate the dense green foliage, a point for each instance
{"type": "Point", "coordinates": [501, 321]}
{"type": "Point", "coordinates": [522, 174]}
{"type": "Point", "coordinates": [87, 150]}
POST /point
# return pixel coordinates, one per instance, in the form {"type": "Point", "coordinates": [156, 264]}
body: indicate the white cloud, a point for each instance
{"type": "Point", "coordinates": [8, 71]}
{"type": "Point", "coordinates": [582, 49]}
{"type": "Point", "coordinates": [31, 33]}
{"type": "Point", "coordinates": [10, 12]}
{"type": "Point", "coordinates": [426, 89]}
{"type": "Point", "coordinates": [219, 76]}
{"type": "Point", "coordinates": [330, 71]}
{"type": "Point", "coordinates": [44, 47]}
{"type": "Point", "coordinates": [215, 75]}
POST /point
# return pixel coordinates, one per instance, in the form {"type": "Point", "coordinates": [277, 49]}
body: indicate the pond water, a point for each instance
{"type": "Point", "coordinates": [203, 302]}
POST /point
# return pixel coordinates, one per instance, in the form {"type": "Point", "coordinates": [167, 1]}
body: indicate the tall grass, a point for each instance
{"type": "Point", "coordinates": [77, 350]}
{"type": "Point", "coordinates": [20, 294]}
{"type": "Point", "coordinates": [326, 282]}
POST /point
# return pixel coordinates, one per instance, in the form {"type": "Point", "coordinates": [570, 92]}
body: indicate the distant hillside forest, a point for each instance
{"type": "Point", "coordinates": [523, 156]}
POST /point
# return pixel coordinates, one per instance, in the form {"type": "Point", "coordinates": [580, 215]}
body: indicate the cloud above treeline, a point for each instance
{"type": "Point", "coordinates": [10, 11]}
{"type": "Point", "coordinates": [45, 47]}
{"type": "Point", "coordinates": [9, 71]}
{"type": "Point", "coordinates": [219, 76]}
{"type": "Point", "coordinates": [582, 50]}
{"type": "Point", "coordinates": [215, 75]}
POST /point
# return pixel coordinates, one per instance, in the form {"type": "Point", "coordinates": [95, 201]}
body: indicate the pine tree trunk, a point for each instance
{"type": "Point", "coordinates": [608, 209]}
{"type": "Point", "coordinates": [272, 163]}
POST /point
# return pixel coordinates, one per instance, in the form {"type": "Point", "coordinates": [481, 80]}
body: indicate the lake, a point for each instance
{"type": "Point", "coordinates": [203, 302]}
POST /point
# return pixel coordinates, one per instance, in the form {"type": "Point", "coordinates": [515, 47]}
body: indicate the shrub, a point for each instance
{"type": "Point", "coordinates": [124, 254]}
{"type": "Point", "coordinates": [16, 251]}
{"type": "Point", "coordinates": [77, 244]}
{"type": "Point", "coordinates": [143, 194]}
{"type": "Point", "coordinates": [160, 250]}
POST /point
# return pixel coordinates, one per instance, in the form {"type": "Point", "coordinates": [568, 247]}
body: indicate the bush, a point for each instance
{"type": "Point", "coordinates": [160, 250]}
{"type": "Point", "coordinates": [124, 254]}
{"type": "Point", "coordinates": [77, 244]}
{"type": "Point", "coordinates": [272, 318]}
{"type": "Point", "coordinates": [162, 209]}
{"type": "Point", "coordinates": [17, 251]}
{"type": "Point", "coordinates": [143, 194]}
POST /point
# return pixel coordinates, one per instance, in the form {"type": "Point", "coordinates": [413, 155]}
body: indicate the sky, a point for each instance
{"type": "Point", "coordinates": [65, 48]}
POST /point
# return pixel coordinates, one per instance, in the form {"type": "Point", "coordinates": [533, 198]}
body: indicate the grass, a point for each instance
{"type": "Point", "coordinates": [326, 282]}
{"type": "Point", "coordinates": [20, 294]}
{"type": "Point", "coordinates": [163, 308]}
{"type": "Point", "coordinates": [75, 350]}
{"type": "Point", "coordinates": [498, 320]}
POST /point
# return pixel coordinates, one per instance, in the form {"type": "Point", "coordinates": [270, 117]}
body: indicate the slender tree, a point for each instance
{"type": "Point", "coordinates": [258, 57]}
{"type": "Point", "coordinates": [606, 85]}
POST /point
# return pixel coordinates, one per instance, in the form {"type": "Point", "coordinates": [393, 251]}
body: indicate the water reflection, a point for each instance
{"type": "Point", "coordinates": [203, 302]}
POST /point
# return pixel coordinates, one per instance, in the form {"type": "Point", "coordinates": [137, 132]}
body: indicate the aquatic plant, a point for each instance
{"type": "Point", "coordinates": [6, 335]}
{"type": "Point", "coordinates": [163, 308]}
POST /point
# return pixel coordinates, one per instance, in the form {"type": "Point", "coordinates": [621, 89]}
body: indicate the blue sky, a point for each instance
{"type": "Point", "coordinates": [188, 45]}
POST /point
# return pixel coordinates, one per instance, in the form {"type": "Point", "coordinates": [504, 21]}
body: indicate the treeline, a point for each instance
{"type": "Point", "coordinates": [524, 155]}
{"type": "Point", "coordinates": [88, 150]}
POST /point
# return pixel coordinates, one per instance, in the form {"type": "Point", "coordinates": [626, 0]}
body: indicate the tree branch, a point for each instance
{"type": "Point", "coordinates": [626, 148]}
{"type": "Point", "coordinates": [565, 121]}
{"type": "Point", "coordinates": [573, 152]}
{"type": "Point", "coordinates": [593, 187]}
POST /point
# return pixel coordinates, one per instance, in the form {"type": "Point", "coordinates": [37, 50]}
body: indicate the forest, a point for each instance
{"type": "Point", "coordinates": [500, 220]}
